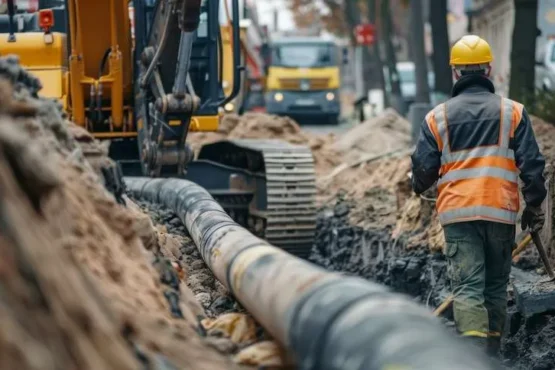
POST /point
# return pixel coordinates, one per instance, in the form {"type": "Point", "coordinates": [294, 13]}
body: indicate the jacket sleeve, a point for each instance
{"type": "Point", "coordinates": [426, 161]}
{"type": "Point", "coordinates": [530, 162]}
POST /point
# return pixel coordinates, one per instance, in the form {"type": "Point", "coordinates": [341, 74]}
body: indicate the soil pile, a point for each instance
{"type": "Point", "coordinates": [374, 163]}
{"type": "Point", "coordinates": [85, 280]}
{"type": "Point", "coordinates": [264, 126]}
{"type": "Point", "coordinates": [545, 135]}
{"type": "Point", "coordinates": [382, 134]}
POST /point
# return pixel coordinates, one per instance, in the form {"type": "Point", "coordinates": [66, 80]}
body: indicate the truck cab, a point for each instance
{"type": "Point", "coordinates": [304, 79]}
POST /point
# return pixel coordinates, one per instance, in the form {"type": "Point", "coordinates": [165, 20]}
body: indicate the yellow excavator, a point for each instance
{"type": "Point", "coordinates": [147, 92]}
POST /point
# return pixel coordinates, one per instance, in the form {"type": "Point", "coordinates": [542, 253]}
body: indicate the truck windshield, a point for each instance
{"type": "Point", "coordinates": [303, 55]}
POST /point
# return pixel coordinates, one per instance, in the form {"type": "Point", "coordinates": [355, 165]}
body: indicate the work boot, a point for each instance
{"type": "Point", "coordinates": [493, 347]}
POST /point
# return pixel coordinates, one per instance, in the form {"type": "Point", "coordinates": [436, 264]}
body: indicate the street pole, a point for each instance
{"type": "Point", "coordinates": [440, 40]}
{"type": "Point", "coordinates": [419, 51]}
{"type": "Point", "coordinates": [376, 50]}
{"type": "Point", "coordinates": [396, 100]}
{"type": "Point", "coordinates": [421, 106]}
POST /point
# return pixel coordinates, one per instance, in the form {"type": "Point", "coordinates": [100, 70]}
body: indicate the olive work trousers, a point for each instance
{"type": "Point", "coordinates": [479, 263]}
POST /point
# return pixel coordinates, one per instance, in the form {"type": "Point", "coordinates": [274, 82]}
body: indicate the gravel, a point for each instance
{"type": "Point", "coordinates": [208, 291]}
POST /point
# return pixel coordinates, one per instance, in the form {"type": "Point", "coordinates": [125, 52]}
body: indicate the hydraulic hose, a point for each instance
{"type": "Point", "coordinates": [327, 321]}
{"type": "Point", "coordinates": [161, 46]}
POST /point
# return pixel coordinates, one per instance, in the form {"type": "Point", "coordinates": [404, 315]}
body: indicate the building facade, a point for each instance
{"type": "Point", "coordinates": [494, 21]}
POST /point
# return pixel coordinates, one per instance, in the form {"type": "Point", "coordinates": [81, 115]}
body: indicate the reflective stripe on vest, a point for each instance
{"type": "Point", "coordinates": [479, 183]}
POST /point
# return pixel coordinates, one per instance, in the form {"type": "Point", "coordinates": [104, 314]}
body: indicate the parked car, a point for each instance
{"type": "Point", "coordinates": [407, 78]}
{"type": "Point", "coordinates": [545, 67]}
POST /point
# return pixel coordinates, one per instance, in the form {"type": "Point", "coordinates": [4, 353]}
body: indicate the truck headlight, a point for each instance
{"type": "Point", "coordinates": [278, 97]}
{"type": "Point", "coordinates": [330, 96]}
{"type": "Point", "coordinates": [229, 107]}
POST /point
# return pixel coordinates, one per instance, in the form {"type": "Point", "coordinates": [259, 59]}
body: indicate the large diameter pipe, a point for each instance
{"type": "Point", "coordinates": [328, 321]}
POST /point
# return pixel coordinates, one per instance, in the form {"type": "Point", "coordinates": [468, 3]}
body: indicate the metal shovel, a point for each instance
{"type": "Point", "coordinates": [538, 242]}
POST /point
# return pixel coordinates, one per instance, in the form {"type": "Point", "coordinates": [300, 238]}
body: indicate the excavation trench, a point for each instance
{"type": "Point", "coordinates": [326, 320]}
{"type": "Point", "coordinates": [373, 253]}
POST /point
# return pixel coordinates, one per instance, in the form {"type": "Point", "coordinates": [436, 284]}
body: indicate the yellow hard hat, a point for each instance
{"type": "Point", "coordinates": [470, 49]}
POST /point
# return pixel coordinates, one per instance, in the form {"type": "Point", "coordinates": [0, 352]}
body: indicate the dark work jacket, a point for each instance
{"type": "Point", "coordinates": [475, 113]}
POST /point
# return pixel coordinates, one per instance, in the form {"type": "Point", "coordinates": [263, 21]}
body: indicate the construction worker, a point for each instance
{"type": "Point", "coordinates": [474, 145]}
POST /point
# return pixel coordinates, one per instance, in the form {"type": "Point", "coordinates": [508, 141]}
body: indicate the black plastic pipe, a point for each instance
{"type": "Point", "coordinates": [328, 321]}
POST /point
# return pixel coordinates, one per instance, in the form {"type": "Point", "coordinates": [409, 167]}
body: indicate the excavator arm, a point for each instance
{"type": "Point", "coordinates": [178, 82]}
{"type": "Point", "coordinates": [146, 98]}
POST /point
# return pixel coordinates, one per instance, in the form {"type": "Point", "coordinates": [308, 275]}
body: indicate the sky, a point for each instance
{"type": "Point", "coordinates": [266, 9]}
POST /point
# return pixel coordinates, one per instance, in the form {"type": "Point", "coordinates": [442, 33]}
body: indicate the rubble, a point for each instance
{"type": "Point", "coordinates": [225, 323]}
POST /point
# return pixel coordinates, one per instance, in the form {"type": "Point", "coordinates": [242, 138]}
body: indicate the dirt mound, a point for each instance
{"type": "Point", "coordinates": [84, 281]}
{"type": "Point", "coordinates": [545, 135]}
{"type": "Point", "coordinates": [265, 126]}
{"type": "Point", "coordinates": [384, 133]}
{"type": "Point", "coordinates": [374, 161]}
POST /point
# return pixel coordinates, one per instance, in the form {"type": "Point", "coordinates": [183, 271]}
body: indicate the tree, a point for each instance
{"type": "Point", "coordinates": [396, 98]}
{"type": "Point", "coordinates": [341, 17]}
{"type": "Point", "coordinates": [376, 52]}
{"type": "Point", "coordinates": [329, 12]}
{"type": "Point", "coordinates": [352, 11]}
{"type": "Point", "coordinates": [440, 42]}
{"type": "Point", "coordinates": [419, 52]}
{"type": "Point", "coordinates": [523, 51]}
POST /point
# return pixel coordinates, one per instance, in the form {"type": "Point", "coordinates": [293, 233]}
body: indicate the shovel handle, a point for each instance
{"type": "Point", "coordinates": [538, 242]}
{"type": "Point", "coordinates": [443, 306]}
{"type": "Point", "coordinates": [522, 245]}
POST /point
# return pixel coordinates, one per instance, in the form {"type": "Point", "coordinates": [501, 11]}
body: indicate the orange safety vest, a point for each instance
{"type": "Point", "coordinates": [480, 183]}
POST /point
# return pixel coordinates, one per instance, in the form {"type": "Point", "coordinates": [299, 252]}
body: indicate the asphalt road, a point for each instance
{"type": "Point", "coordinates": [324, 129]}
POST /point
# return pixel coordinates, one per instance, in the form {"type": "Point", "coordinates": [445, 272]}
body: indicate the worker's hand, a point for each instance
{"type": "Point", "coordinates": [533, 218]}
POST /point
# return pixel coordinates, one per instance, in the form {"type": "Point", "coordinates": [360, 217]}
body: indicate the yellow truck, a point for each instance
{"type": "Point", "coordinates": [303, 79]}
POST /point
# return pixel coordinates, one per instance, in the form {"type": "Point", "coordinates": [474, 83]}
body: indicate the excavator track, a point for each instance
{"type": "Point", "coordinates": [281, 176]}
{"type": "Point", "coordinates": [291, 191]}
